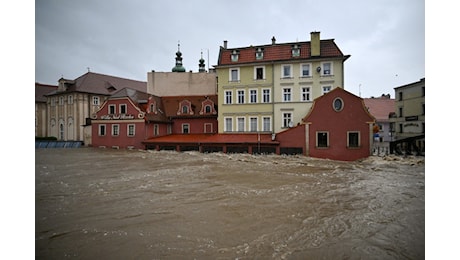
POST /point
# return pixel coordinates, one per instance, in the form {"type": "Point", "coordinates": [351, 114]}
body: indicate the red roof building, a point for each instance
{"type": "Point", "coordinates": [381, 108]}
{"type": "Point", "coordinates": [339, 127]}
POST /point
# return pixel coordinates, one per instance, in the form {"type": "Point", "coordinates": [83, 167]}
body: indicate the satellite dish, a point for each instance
{"type": "Point", "coordinates": [291, 124]}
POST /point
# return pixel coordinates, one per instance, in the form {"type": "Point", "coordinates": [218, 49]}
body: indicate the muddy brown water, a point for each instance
{"type": "Point", "coordinates": [133, 204]}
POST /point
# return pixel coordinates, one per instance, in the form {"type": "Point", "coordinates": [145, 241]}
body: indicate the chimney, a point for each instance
{"type": "Point", "coordinates": [273, 40]}
{"type": "Point", "coordinates": [225, 44]}
{"type": "Point", "coordinates": [315, 44]}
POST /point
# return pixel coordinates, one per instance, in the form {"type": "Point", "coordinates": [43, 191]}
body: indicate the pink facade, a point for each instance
{"type": "Point", "coordinates": [339, 127]}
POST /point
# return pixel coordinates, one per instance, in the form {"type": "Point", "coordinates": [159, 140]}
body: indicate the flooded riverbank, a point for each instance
{"type": "Point", "coordinates": [121, 204]}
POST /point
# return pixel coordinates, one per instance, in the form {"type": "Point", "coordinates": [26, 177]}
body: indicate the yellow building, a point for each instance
{"type": "Point", "coordinates": [409, 118]}
{"type": "Point", "coordinates": [269, 88]}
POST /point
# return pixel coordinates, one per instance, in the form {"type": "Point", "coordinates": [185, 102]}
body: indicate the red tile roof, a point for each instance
{"type": "Point", "coordinates": [380, 108]}
{"type": "Point", "coordinates": [171, 105]}
{"type": "Point", "coordinates": [215, 138]}
{"type": "Point", "coordinates": [279, 52]}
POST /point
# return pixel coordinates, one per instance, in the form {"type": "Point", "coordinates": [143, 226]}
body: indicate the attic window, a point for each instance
{"type": "Point", "coordinates": [185, 107]}
{"type": "Point", "coordinates": [259, 53]}
{"type": "Point", "coordinates": [235, 55]}
{"type": "Point", "coordinates": [295, 50]}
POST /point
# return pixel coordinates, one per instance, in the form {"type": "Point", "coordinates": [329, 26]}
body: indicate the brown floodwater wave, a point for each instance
{"type": "Point", "coordinates": [121, 204]}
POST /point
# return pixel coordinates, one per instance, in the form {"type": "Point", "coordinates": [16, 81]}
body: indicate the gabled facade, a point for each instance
{"type": "Point", "coordinates": [41, 115]}
{"type": "Point", "coordinates": [269, 88]}
{"type": "Point", "coordinates": [409, 118]}
{"type": "Point", "coordinates": [339, 127]}
{"type": "Point", "coordinates": [119, 122]}
{"type": "Point", "coordinates": [71, 106]}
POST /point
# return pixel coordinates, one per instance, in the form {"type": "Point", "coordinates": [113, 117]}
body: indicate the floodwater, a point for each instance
{"type": "Point", "coordinates": [93, 203]}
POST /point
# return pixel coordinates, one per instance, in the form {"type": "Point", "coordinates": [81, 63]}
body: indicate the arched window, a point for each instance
{"type": "Point", "coordinates": [184, 109]}
{"type": "Point", "coordinates": [207, 109]}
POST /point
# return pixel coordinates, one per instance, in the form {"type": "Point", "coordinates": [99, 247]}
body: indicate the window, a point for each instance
{"type": "Point", "coordinates": [259, 53]}
{"type": "Point", "coordinates": [286, 94]}
{"type": "Point", "coordinates": [327, 68]}
{"type": "Point", "coordinates": [207, 127]}
{"type": "Point", "coordinates": [305, 94]}
{"type": "Point", "coordinates": [228, 97]}
{"type": "Point", "coordinates": [401, 128]}
{"type": "Point", "coordinates": [156, 130]}
{"type": "Point", "coordinates": [240, 96]}
{"type": "Point", "coordinates": [253, 124]}
{"type": "Point", "coordinates": [53, 101]}
{"type": "Point", "coordinates": [266, 95]}
{"type": "Point", "coordinates": [423, 91]}
{"type": "Point", "coordinates": [115, 130]}
{"type": "Point", "coordinates": [184, 109]}
{"type": "Point", "coordinates": [286, 71]}
{"type": "Point", "coordinates": [111, 109]}
{"type": "Point", "coordinates": [400, 112]}
{"type": "Point", "coordinates": [400, 95]}
{"type": "Point", "coordinates": [61, 100]}
{"type": "Point", "coordinates": [207, 109]}
{"type": "Point", "coordinates": [95, 101]}
{"type": "Point", "coordinates": [353, 139]}
{"type": "Point", "coordinates": [305, 70]}
{"type": "Point", "coordinates": [123, 109]}
{"type": "Point", "coordinates": [131, 130]}
{"type": "Point", "coordinates": [287, 120]}
{"type": "Point", "coordinates": [235, 75]}
{"type": "Point", "coordinates": [322, 139]}
{"type": "Point", "coordinates": [326, 89]}
{"type": "Point", "coordinates": [337, 104]}
{"type": "Point", "coordinates": [70, 99]}
{"type": "Point", "coordinates": [240, 121]}
{"type": "Point", "coordinates": [61, 131]}
{"type": "Point", "coordinates": [235, 55]}
{"type": "Point", "coordinates": [259, 73]}
{"type": "Point", "coordinates": [267, 124]}
{"type": "Point", "coordinates": [185, 128]}
{"type": "Point", "coordinates": [101, 130]}
{"type": "Point", "coordinates": [152, 107]}
{"type": "Point", "coordinates": [423, 109]}
{"type": "Point", "coordinates": [228, 124]}
{"type": "Point", "coordinates": [295, 50]}
{"type": "Point", "coordinates": [253, 96]}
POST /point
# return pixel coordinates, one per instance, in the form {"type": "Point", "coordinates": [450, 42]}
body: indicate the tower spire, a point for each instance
{"type": "Point", "coordinates": [201, 64]}
{"type": "Point", "coordinates": [178, 67]}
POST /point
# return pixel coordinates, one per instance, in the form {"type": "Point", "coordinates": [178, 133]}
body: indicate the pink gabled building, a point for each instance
{"type": "Point", "coordinates": [339, 127]}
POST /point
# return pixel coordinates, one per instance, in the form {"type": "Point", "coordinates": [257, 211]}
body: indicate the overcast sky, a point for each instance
{"type": "Point", "coordinates": [385, 38]}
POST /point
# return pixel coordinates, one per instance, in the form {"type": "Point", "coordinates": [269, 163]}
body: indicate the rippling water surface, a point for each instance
{"type": "Point", "coordinates": [121, 204]}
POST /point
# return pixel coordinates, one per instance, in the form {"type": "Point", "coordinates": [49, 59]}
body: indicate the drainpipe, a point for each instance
{"type": "Point", "coordinates": [272, 93]}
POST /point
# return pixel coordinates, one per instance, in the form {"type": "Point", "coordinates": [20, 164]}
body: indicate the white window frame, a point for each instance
{"type": "Point", "coordinates": [331, 69]}
{"type": "Point", "coordinates": [230, 78]}
{"type": "Point", "coordinates": [303, 93]}
{"type": "Point", "coordinates": [70, 100]}
{"type": "Point", "coordinates": [287, 94]}
{"type": "Point", "coordinates": [226, 120]}
{"type": "Point", "coordinates": [266, 95]}
{"type": "Point", "coordinates": [240, 98]}
{"type": "Point", "coordinates": [230, 96]}
{"type": "Point", "coordinates": [128, 130]}
{"type": "Point", "coordinates": [252, 94]}
{"type": "Point", "coordinates": [96, 101]}
{"type": "Point", "coordinates": [238, 120]}
{"type": "Point", "coordinates": [286, 124]}
{"type": "Point", "coordinates": [105, 130]}
{"type": "Point", "coordinates": [269, 123]}
{"type": "Point", "coordinates": [283, 75]}
{"type": "Point", "coordinates": [112, 107]}
{"type": "Point", "coordinates": [251, 121]}
{"type": "Point", "coordinates": [186, 125]}
{"type": "Point", "coordinates": [348, 139]}
{"type": "Point", "coordinates": [125, 106]}
{"type": "Point", "coordinates": [324, 87]}
{"type": "Point", "coordinates": [263, 72]}
{"type": "Point", "coordinates": [309, 70]}
{"type": "Point", "coordinates": [115, 129]}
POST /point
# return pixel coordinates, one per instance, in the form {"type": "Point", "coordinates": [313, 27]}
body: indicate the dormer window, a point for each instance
{"type": "Point", "coordinates": [235, 55]}
{"type": "Point", "coordinates": [152, 108]}
{"type": "Point", "coordinates": [259, 53]}
{"type": "Point", "coordinates": [295, 50]}
{"type": "Point", "coordinates": [185, 108]}
{"type": "Point", "coordinates": [207, 107]}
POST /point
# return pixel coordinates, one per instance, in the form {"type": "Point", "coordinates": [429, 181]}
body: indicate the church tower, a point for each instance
{"type": "Point", "coordinates": [178, 67]}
